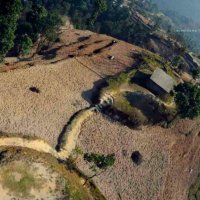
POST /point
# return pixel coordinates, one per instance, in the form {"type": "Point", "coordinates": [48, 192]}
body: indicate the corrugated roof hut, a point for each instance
{"type": "Point", "coordinates": [160, 82]}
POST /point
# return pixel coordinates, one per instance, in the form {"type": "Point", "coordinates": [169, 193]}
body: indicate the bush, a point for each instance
{"type": "Point", "coordinates": [101, 161]}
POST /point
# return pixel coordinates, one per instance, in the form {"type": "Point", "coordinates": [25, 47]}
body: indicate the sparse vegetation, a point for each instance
{"type": "Point", "coordinates": [152, 61]}
{"type": "Point", "coordinates": [20, 180]}
{"type": "Point", "coordinates": [123, 78]}
{"type": "Point", "coordinates": [99, 162]}
{"type": "Point", "coordinates": [29, 174]}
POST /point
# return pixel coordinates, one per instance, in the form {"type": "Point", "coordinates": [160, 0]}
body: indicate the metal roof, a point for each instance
{"type": "Point", "coordinates": [163, 80]}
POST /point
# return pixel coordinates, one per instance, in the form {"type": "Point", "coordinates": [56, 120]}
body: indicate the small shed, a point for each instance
{"type": "Point", "coordinates": [160, 82]}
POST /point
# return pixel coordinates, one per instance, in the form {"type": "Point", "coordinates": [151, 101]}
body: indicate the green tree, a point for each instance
{"type": "Point", "coordinates": [100, 6]}
{"type": "Point", "coordinates": [187, 98]}
{"type": "Point", "coordinates": [25, 45]}
{"type": "Point", "coordinates": [101, 162]}
{"type": "Point", "coordinates": [9, 14]}
{"type": "Point", "coordinates": [196, 73]}
{"type": "Point", "coordinates": [45, 24]}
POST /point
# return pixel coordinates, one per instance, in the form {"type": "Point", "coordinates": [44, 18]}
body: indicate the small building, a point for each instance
{"type": "Point", "coordinates": [160, 82]}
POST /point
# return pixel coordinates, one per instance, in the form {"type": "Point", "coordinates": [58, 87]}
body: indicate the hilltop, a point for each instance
{"type": "Point", "coordinates": [41, 96]}
{"type": "Point", "coordinates": [97, 116]}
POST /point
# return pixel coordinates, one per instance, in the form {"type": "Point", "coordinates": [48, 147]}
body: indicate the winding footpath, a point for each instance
{"type": "Point", "coordinates": [35, 144]}
{"type": "Point", "coordinates": [68, 139]}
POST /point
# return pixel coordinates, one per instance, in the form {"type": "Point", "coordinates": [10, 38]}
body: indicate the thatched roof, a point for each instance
{"type": "Point", "coordinates": [163, 80]}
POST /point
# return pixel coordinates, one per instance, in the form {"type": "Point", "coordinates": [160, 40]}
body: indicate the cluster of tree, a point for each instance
{"type": "Point", "coordinates": [27, 21]}
{"type": "Point", "coordinates": [22, 23]}
{"type": "Point", "coordinates": [187, 99]}
{"type": "Point", "coordinates": [9, 14]}
{"type": "Point", "coordinates": [110, 17]}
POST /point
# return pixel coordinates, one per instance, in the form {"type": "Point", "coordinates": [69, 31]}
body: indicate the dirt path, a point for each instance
{"type": "Point", "coordinates": [35, 144]}
{"type": "Point", "coordinates": [68, 139]}
{"type": "Point", "coordinates": [70, 136]}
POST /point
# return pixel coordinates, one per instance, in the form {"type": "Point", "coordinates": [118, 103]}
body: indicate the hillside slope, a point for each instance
{"type": "Point", "coordinates": [40, 96]}
{"type": "Point", "coordinates": [65, 84]}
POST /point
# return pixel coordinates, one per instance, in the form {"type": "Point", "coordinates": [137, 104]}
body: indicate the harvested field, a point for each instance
{"type": "Point", "coordinates": [170, 159]}
{"type": "Point", "coordinates": [62, 93]}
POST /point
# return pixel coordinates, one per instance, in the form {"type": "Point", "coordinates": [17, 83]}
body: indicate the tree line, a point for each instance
{"type": "Point", "coordinates": [23, 22]}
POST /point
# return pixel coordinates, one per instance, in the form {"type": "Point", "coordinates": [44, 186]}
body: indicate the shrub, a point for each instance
{"type": "Point", "coordinates": [101, 161]}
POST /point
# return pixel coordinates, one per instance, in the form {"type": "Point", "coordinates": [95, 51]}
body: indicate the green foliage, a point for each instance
{"type": "Point", "coordinates": [37, 21]}
{"type": "Point", "coordinates": [177, 62]}
{"type": "Point", "coordinates": [196, 73]}
{"type": "Point", "coordinates": [9, 14]}
{"type": "Point", "coordinates": [114, 83]}
{"type": "Point", "coordinates": [40, 23]}
{"type": "Point", "coordinates": [51, 26]}
{"type": "Point", "coordinates": [100, 6]}
{"type": "Point", "coordinates": [187, 98]}
{"type": "Point", "coordinates": [37, 18]}
{"type": "Point", "coordinates": [44, 22]}
{"type": "Point", "coordinates": [101, 161]}
{"type": "Point", "coordinates": [25, 45]}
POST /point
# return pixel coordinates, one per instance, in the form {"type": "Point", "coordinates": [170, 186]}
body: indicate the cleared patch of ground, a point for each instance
{"type": "Point", "coordinates": [27, 174]}
{"type": "Point", "coordinates": [169, 165]}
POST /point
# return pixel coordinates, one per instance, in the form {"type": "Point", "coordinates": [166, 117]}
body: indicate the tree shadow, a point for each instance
{"type": "Point", "coordinates": [50, 54]}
